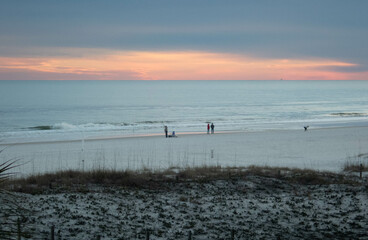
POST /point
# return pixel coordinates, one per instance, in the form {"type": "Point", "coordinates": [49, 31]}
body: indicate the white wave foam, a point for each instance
{"type": "Point", "coordinates": [65, 126]}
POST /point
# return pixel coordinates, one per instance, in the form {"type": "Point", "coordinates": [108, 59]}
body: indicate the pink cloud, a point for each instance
{"type": "Point", "coordinates": [132, 65]}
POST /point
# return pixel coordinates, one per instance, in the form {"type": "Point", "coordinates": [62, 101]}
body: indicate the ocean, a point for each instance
{"type": "Point", "coordinates": [33, 111]}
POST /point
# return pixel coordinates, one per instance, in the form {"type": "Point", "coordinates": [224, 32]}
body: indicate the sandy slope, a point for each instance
{"type": "Point", "coordinates": [254, 207]}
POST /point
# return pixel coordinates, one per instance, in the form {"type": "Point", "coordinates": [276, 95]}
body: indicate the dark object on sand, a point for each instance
{"type": "Point", "coordinates": [306, 128]}
{"type": "Point", "coordinates": [166, 130]}
{"type": "Point", "coordinates": [173, 134]}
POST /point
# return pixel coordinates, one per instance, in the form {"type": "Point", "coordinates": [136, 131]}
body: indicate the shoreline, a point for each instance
{"type": "Point", "coordinates": [178, 134]}
{"type": "Point", "coordinates": [101, 138]}
{"type": "Point", "coordinates": [319, 149]}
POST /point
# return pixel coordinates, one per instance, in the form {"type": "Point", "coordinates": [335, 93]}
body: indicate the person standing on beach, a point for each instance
{"type": "Point", "coordinates": [212, 128]}
{"type": "Point", "coordinates": [166, 130]}
{"type": "Point", "coordinates": [208, 128]}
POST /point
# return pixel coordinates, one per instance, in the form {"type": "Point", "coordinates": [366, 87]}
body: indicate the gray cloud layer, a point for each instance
{"type": "Point", "coordinates": [279, 29]}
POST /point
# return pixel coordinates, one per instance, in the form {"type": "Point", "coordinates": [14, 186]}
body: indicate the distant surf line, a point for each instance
{"type": "Point", "coordinates": [100, 138]}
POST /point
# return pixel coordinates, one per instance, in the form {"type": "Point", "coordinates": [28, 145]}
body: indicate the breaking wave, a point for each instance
{"type": "Point", "coordinates": [87, 126]}
{"type": "Point", "coordinates": [349, 114]}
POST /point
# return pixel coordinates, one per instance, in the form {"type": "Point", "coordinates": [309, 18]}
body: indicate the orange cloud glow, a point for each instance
{"type": "Point", "coordinates": [179, 66]}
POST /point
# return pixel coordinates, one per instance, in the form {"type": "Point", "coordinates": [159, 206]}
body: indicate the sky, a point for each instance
{"type": "Point", "coordinates": [183, 40]}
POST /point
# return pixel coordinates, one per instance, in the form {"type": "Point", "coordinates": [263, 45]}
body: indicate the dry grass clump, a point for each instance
{"type": "Point", "coordinates": [355, 167]}
{"type": "Point", "coordinates": [204, 173]}
{"type": "Point", "coordinates": [300, 176]}
{"type": "Point", "coordinates": [73, 179]}
{"type": "Point", "coordinates": [12, 215]}
{"type": "Point", "coordinates": [357, 163]}
{"type": "Point", "coordinates": [80, 180]}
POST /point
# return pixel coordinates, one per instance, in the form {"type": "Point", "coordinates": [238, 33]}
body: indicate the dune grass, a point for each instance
{"type": "Point", "coordinates": [74, 180]}
{"type": "Point", "coordinates": [358, 163]}
{"type": "Point", "coordinates": [355, 167]}
{"type": "Point", "coordinates": [11, 214]}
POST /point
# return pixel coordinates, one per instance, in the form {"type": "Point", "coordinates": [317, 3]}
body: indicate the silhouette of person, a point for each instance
{"type": "Point", "coordinates": [166, 130]}
{"type": "Point", "coordinates": [212, 128]}
{"type": "Point", "coordinates": [208, 128]}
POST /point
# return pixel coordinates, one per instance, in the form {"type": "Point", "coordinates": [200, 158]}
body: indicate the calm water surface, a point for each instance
{"type": "Point", "coordinates": [59, 110]}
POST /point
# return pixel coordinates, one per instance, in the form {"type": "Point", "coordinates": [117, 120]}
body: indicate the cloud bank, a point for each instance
{"type": "Point", "coordinates": [169, 65]}
{"type": "Point", "coordinates": [209, 39]}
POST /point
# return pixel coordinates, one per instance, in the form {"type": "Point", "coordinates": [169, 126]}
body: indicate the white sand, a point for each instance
{"type": "Point", "coordinates": [320, 149]}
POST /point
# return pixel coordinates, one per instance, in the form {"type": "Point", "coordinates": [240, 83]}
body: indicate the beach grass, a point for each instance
{"type": "Point", "coordinates": [75, 180]}
{"type": "Point", "coordinates": [355, 167]}
{"type": "Point", "coordinates": [358, 163]}
{"type": "Point", "coordinates": [11, 213]}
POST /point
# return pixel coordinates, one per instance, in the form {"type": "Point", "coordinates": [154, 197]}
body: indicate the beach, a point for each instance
{"type": "Point", "coordinates": [256, 123]}
{"type": "Point", "coordinates": [319, 149]}
{"type": "Point", "coordinates": [121, 133]}
{"type": "Point", "coordinates": [183, 120]}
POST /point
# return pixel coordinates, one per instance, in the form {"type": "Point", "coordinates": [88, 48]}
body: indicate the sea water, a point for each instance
{"type": "Point", "coordinates": [71, 110]}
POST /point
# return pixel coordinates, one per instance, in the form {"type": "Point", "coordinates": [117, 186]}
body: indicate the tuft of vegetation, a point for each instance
{"type": "Point", "coordinates": [81, 181]}
{"type": "Point", "coordinates": [300, 176]}
{"type": "Point", "coordinates": [357, 163]}
{"type": "Point", "coordinates": [11, 214]}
